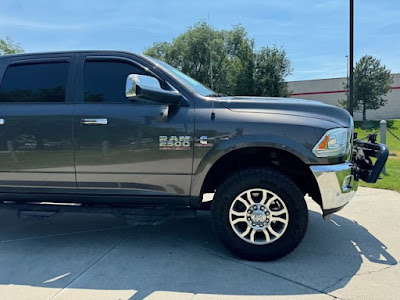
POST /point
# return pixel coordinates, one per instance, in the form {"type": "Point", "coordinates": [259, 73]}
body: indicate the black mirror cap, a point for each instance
{"type": "Point", "coordinates": [161, 96]}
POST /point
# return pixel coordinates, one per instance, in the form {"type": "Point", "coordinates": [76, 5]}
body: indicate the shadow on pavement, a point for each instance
{"type": "Point", "coordinates": [82, 251]}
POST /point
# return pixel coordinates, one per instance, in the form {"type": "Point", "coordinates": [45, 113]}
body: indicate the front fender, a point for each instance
{"type": "Point", "coordinates": [226, 145]}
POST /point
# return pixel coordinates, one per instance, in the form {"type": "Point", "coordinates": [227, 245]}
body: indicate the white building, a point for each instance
{"type": "Point", "coordinates": [333, 89]}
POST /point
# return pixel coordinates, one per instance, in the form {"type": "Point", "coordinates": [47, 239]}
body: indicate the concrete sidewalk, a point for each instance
{"type": "Point", "coordinates": [354, 255]}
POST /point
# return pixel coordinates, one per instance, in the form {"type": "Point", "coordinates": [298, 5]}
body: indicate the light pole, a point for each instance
{"type": "Point", "coordinates": [351, 56]}
{"type": "Point", "coordinates": [347, 79]}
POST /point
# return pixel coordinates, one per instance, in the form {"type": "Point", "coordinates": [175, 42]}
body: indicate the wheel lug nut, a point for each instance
{"type": "Point", "coordinates": [267, 220]}
{"type": "Point", "coordinates": [267, 213]}
{"type": "Point", "coordinates": [255, 206]}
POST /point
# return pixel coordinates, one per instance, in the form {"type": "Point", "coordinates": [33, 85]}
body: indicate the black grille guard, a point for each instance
{"type": "Point", "coordinates": [365, 169]}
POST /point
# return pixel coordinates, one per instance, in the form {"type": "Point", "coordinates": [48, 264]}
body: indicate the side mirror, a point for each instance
{"type": "Point", "coordinates": [148, 87]}
{"type": "Point", "coordinates": [144, 80]}
{"type": "Point", "coordinates": [159, 95]}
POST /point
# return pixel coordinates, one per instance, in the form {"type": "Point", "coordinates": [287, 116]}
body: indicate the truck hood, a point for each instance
{"type": "Point", "coordinates": [288, 106]}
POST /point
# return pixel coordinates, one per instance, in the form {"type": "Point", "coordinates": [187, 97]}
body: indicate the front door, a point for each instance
{"type": "Point", "coordinates": [36, 147]}
{"type": "Point", "coordinates": [119, 141]}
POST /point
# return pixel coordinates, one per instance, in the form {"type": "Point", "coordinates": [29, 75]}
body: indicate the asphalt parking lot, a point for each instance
{"type": "Point", "coordinates": [354, 255]}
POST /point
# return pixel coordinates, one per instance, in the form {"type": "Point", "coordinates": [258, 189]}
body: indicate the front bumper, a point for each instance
{"type": "Point", "coordinates": [336, 184]}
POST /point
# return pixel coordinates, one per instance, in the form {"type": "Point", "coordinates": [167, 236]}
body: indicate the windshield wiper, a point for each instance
{"type": "Point", "coordinates": [216, 95]}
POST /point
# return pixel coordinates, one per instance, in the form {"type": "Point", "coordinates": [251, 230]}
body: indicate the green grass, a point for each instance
{"type": "Point", "coordinates": [390, 180]}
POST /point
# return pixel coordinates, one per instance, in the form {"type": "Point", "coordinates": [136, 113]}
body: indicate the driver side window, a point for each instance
{"type": "Point", "coordinates": [106, 81]}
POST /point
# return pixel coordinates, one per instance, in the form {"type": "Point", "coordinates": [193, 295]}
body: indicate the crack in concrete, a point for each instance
{"type": "Point", "coordinates": [358, 274]}
{"type": "Point", "coordinates": [92, 264]}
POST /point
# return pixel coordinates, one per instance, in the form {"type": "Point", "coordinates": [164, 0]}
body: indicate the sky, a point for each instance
{"type": "Point", "coordinates": [314, 33]}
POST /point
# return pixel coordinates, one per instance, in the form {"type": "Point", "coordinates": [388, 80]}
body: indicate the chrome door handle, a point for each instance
{"type": "Point", "coordinates": [2, 121]}
{"type": "Point", "coordinates": [94, 121]}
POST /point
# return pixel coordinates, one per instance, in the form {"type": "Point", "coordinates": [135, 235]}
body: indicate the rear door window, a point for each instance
{"type": "Point", "coordinates": [35, 82]}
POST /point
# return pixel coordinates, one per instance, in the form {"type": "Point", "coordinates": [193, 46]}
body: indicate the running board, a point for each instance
{"type": "Point", "coordinates": [139, 215]}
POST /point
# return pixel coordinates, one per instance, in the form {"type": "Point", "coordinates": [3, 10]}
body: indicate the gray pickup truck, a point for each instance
{"type": "Point", "coordinates": [116, 129]}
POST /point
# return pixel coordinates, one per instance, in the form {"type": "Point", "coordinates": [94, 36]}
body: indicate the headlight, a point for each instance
{"type": "Point", "coordinates": [335, 142]}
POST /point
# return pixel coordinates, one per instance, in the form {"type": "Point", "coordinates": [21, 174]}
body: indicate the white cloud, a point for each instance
{"type": "Point", "coordinates": [19, 22]}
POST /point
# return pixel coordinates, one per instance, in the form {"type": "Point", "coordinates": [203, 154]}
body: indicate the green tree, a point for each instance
{"type": "Point", "coordinates": [372, 81]}
{"type": "Point", "coordinates": [271, 68]}
{"type": "Point", "coordinates": [8, 46]}
{"type": "Point", "coordinates": [239, 67]}
{"type": "Point", "coordinates": [232, 66]}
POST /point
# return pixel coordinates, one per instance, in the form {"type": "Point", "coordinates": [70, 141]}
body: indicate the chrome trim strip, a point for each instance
{"type": "Point", "coordinates": [94, 121]}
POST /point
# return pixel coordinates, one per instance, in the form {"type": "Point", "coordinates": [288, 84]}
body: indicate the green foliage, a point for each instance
{"type": "Point", "coordinates": [236, 68]}
{"type": "Point", "coordinates": [8, 46]}
{"type": "Point", "coordinates": [272, 66]}
{"type": "Point", "coordinates": [372, 81]}
{"type": "Point", "coordinates": [375, 125]}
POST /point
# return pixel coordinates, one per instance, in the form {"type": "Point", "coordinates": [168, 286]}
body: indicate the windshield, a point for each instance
{"type": "Point", "coordinates": [194, 84]}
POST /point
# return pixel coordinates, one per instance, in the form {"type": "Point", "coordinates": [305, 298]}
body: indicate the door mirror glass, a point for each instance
{"type": "Point", "coordinates": [143, 80]}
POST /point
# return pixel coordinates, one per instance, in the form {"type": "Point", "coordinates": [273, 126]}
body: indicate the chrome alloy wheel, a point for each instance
{"type": "Point", "coordinates": [258, 216]}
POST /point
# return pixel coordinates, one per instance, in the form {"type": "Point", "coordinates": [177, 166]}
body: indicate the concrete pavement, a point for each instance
{"type": "Point", "coordinates": [354, 255]}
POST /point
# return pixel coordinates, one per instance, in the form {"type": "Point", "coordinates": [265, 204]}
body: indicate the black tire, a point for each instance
{"type": "Point", "coordinates": [276, 182]}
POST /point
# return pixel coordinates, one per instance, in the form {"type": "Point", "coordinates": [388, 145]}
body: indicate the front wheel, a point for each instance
{"type": "Point", "coordinates": [259, 214]}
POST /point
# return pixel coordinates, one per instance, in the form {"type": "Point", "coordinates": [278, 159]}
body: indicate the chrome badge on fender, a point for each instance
{"type": "Point", "coordinates": [174, 142]}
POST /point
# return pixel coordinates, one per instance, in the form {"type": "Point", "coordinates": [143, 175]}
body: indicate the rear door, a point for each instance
{"type": "Point", "coordinates": [36, 148]}
{"type": "Point", "coordinates": [118, 140]}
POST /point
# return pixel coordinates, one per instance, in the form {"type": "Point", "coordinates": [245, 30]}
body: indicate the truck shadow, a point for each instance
{"type": "Point", "coordinates": [89, 252]}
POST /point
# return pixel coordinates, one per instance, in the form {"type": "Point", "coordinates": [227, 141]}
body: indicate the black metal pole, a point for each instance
{"type": "Point", "coordinates": [351, 56]}
{"type": "Point", "coordinates": [347, 81]}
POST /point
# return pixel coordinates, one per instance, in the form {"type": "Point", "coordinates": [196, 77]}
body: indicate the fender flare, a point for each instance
{"type": "Point", "coordinates": [242, 142]}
